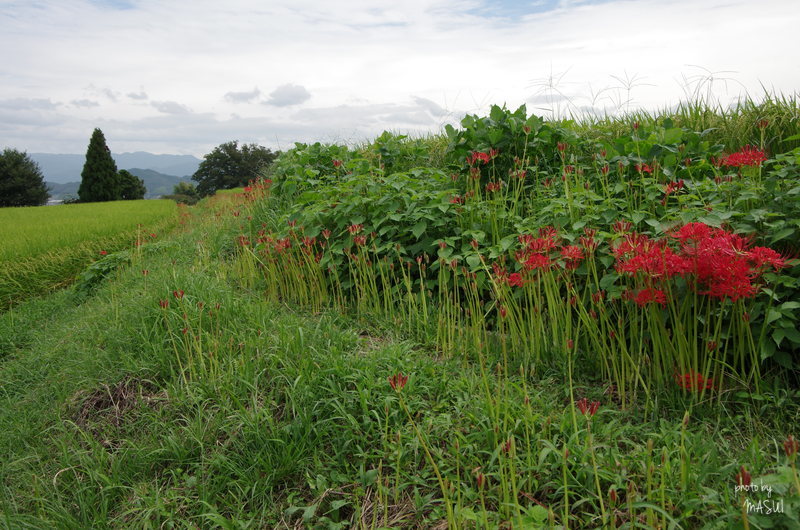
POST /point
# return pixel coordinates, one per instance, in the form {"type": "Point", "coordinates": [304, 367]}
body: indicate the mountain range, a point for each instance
{"type": "Point", "coordinates": [160, 173]}
{"type": "Point", "coordinates": [61, 168]}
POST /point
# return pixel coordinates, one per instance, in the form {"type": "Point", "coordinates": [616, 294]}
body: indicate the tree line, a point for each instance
{"type": "Point", "coordinates": [228, 166]}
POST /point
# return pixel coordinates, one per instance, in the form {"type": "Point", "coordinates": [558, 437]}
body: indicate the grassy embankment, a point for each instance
{"type": "Point", "coordinates": [209, 381]}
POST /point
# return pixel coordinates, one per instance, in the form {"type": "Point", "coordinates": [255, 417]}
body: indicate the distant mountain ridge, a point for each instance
{"type": "Point", "coordinates": [63, 168]}
{"type": "Point", "coordinates": [157, 184]}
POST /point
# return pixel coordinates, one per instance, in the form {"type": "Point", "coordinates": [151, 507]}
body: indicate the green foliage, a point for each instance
{"type": "Point", "coordinates": [132, 188]}
{"type": "Point", "coordinates": [21, 181]}
{"type": "Point", "coordinates": [231, 166]}
{"type": "Point", "coordinates": [99, 179]}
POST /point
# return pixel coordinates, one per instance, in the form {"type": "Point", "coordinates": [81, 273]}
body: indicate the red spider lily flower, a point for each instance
{"type": "Point", "coordinates": [711, 345]}
{"type": "Point", "coordinates": [672, 187]}
{"type": "Point", "coordinates": [457, 199]}
{"type": "Point", "coordinates": [494, 186]}
{"type": "Point", "coordinates": [648, 296]}
{"type": "Point", "coordinates": [515, 280]}
{"type": "Point", "coordinates": [145, 272]}
{"type": "Point", "coordinates": [693, 381]}
{"type": "Point", "coordinates": [235, 213]}
{"type": "Point", "coordinates": [336, 162]}
{"type": "Point", "coordinates": [493, 153]}
{"type": "Point", "coordinates": [743, 477]}
{"type": "Point", "coordinates": [355, 228]}
{"type": "Point", "coordinates": [474, 244]}
{"type": "Point", "coordinates": [326, 233]}
{"type": "Point", "coordinates": [291, 223]}
{"type": "Point", "coordinates": [503, 312]}
{"type": "Point", "coordinates": [538, 261]}
{"type": "Point", "coordinates": [612, 494]}
{"type": "Point", "coordinates": [474, 173]}
{"type": "Point", "coordinates": [309, 241]}
{"type": "Point", "coordinates": [185, 331]}
{"type": "Point", "coordinates": [478, 156]}
{"type": "Point", "coordinates": [572, 253]}
{"type": "Point", "coordinates": [598, 296]}
{"type": "Point", "coordinates": [762, 124]}
{"type": "Point", "coordinates": [643, 168]}
{"type": "Point", "coordinates": [604, 169]}
{"type": "Point", "coordinates": [570, 344]}
{"type": "Point", "coordinates": [636, 126]}
{"type": "Point", "coordinates": [622, 227]}
{"type": "Point", "coordinates": [747, 156]}
{"type": "Point", "coordinates": [586, 408]}
{"type": "Point", "coordinates": [507, 445]}
{"type": "Point", "coordinates": [561, 146]}
{"type": "Point", "coordinates": [791, 446]}
{"type": "Point", "coordinates": [103, 253]}
{"type": "Point", "coordinates": [480, 479]}
{"type": "Point", "coordinates": [569, 169]}
{"type": "Point", "coordinates": [442, 245]}
{"type": "Point", "coordinates": [163, 303]}
{"type": "Point", "coordinates": [248, 189]}
{"type": "Point", "coordinates": [763, 257]}
{"type": "Point", "coordinates": [178, 294]}
{"type": "Point", "coordinates": [398, 381]}
{"type": "Point", "coordinates": [360, 241]}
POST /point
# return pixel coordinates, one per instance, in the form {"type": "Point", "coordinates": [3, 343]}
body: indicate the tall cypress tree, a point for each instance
{"type": "Point", "coordinates": [99, 179]}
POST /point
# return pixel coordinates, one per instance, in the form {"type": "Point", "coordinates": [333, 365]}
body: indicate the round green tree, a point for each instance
{"type": "Point", "coordinates": [133, 187]}
{"type": "Point", "coordinates": [99, 179]}
{"type": "Point", "coordinates": [230, 166]}
{"type": "Point", "coordinates": [21, 180]}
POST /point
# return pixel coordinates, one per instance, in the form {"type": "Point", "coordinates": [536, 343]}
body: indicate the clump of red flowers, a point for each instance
{"type": "Point", "coordinates": [716, 262]}
{"type": "Point", "coordinates": [586, 408]}
{"type": "Point", "coordinates": [694, 382]}
{"type": "Point", "coordinates": [747, 156]}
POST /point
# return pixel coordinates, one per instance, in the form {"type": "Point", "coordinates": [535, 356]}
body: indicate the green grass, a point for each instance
{"type": "Point", "coordinates": [27, 232]}
{"type": "Point", "coordinates": [182, 384]}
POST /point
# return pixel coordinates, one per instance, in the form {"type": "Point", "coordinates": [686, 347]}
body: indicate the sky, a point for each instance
{"type": "Point", "coordinates": [181, 77]}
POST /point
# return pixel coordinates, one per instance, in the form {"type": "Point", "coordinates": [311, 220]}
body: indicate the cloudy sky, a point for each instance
{"type": "Point", "coordinates": [181, 77]}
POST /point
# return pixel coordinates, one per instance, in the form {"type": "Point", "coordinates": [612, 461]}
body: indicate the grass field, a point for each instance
{"type": "Point", "coordinates": [26, 232]}
{"type": "Point", "coordinates": [432, 333]}
{"type": "Point", "coordinates": [44, 248]}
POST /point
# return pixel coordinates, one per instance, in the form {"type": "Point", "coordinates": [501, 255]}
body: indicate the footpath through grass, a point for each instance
{"type": "Point", "coordinates": [165, 392]}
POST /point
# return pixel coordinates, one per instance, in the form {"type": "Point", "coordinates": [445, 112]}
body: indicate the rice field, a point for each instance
{"type": "Point", "coordinates": [28, 232]}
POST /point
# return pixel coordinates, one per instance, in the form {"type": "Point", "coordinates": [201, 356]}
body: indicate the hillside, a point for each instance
{"type": "Point", "coordinates": [157, 184]}
{"type": "Point", "coordinates": [62, 168]}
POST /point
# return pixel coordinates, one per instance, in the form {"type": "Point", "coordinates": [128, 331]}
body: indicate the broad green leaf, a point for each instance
{"type": "Point", "coordinates": [419, 228]}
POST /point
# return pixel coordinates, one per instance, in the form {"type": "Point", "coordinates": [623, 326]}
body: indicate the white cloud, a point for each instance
{"type": "Point", "coordinates": [370, 65]}
{"type": "Point", "coordinates": [288, 95]}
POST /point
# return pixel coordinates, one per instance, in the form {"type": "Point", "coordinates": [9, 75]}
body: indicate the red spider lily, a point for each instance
{"type": "Point", "coordinates": [103, 252]}
{"type": "Point", "coordinates": [474, 173]}
{"type": "Point", "coordinates": [494, 186]}
{"type": "Point", "coordinates": [672, 187]}
{"type": "Point", "coordinates": [178, 294]}
{"type": "Point", "coordinates": [561, 146]}
{"type": "Point", "coordinates": [326, 233]}
{"type": "Point", "coordinates": [791, 446]}
{"type": "Point", "coordinates": [648, 296]}
{"type": "Point", "coordinates": [360, 241]}
{"type": "Point", "coordinates": [622, 227]}
{"type": "Point", "coordinates": [292, 223]}
{"type": "Point", "coordinates": [474, 243]}
{"type": "Point", "coordinates": [747, 156]}
{"type": "Point", "coordinates": [516, 280]}
{"type": "Point", "coordinates": [248, 189]}
{"type": "Point", "coordinates": [457, 199]}
{"type": "Point", "coordinates": [503, 311]}
{"type": "Point", "coordinates": [586, 408]}
{"type": "Point", "coordinates": [355, 228]}
{"type": "Point", "coordinates": [636, 126]}
{"type": "Point", "coordinates": [569, 169]}
{"type": "Point", "coordinates": [598, 296]}
{"type": "Point", "coordinates": [572, 254]}
{"type": "Point", "coordinates": [309, 241]}
{"type": "Point", "coordinates": [643, 168]}
{"type": "Point", "coordinates": [570, 344]}
{"type": "Point", "coordinates": [163, 303]}
{"type": "Point", "coordinates": [145, 272]}
{"type": "Point", "coordinates": [442, 245]}
{"type": "Point", "coordinates": [336, 162]}
{"type": "Point", "coordinates": [612, 494]}
{"type": "Point", "coordinates": [243, 241]}
{"type": "Point", "coordinates": [743, 477]}
{"type": "Point", "coordinates": [477, 156]}
{"type": "Point", "coordinates": [604, 169]}
{"type": "Point", "coordinates": [711, 345]}
{"type": "Point", "coordinates": [398, 381]}
{"type": "Point", "coordinates": [480, 479]}
{"type": "Point", "coordinates": [763, 257]}
{"type": "Point", "coordinates": [507, 446]}
{"type": "Point", "coordinates": [693, 381]}
{"type": "Point", "coordinates": [538, 261]}
{"type": "Point", "coordinates": [762, 124]}
{"type": "Point", "coordinates": [493, 153]}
